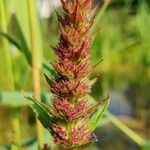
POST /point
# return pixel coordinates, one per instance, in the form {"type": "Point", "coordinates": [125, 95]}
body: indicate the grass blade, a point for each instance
{"type": "Point", "coordinates": [94, 120]}
{"type": "Point", "coordinates": [6, 74]}
{"type": "Point", "coordinates": [130, 133]}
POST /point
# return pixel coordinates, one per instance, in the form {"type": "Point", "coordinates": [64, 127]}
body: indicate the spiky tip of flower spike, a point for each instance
{"type": "Point", "coordinates": [70, 106]}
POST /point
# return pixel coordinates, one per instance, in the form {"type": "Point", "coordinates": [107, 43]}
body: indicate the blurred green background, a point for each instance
{"type": "Point", "coordinates": [122, 40]}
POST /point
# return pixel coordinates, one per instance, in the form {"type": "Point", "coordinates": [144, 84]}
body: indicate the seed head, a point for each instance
{"type": "Point", "coordinates": [70, 105]}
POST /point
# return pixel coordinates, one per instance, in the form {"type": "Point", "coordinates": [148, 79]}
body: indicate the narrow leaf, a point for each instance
{"type": "Point", "coordinates": [23, 47]}
{"type": "Point", "coordinates": [85, 145]}
{"type": "Point", "coordinates": [21, 13]}
{"type": "Point", "coordinates": [20, 42]}
{"type": "Point", "coordinates": [29, 25]}
{"type": "Point", "coordinates": [6, 73]}
{"type": "Point", "coordinates": [11, 39]}
{"type": "Point", "coordinates": [23, 43]}
{"type": "Point", "coordinates": [42, 112]}
{"type": "Point", "coordinates": [48, 70]}
{"type": "Point", "coordinates": [94, 120]}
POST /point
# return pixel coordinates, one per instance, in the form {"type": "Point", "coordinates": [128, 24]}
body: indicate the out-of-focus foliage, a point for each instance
{"type": "Point", "coordinates": [123, 42]}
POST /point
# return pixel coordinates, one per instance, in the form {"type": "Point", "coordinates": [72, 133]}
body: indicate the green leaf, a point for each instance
{"type": "Point", "coordinates": [14, 147]}
{"type": "Point", "coordinates": [28, 141]}
{"type": "Point", "coordinates": [17, 99]}
{"type": "Point", "coordinates": [94, 120]}
{"type": "Point", "coordinates": [22, 13]}
{"type": "Point", "coordinates": [42, 112]}
{"type": "Point", "coordinates": [19, 42]}
{"type": "Point", "coordinates": [6, 73]}
{"type": "Point", "coordinates": [48, 70]}
{"type": "Point", "coordinates": [21, 45]}
{"type": "Point", "coordinates": [24, 47]}
{"type": "Point", "coordinates": [11, 39]}
{"type": "Point", "coordinates": [22, 40]}
{"type": "Point", "coordinates": [26, 13]}
{"type": "Point", "coordinates": [25, 143]}
{"type": "Point", "coordinates": [85, 145]}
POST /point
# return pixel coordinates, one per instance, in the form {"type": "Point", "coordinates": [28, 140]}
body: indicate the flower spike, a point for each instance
{"type": "Point", "coordinates": [71, 117]}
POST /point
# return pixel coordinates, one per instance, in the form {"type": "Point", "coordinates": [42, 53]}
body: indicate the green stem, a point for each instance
{"type": "Point", "coordinates": [35, 66]}
{"type": "Point", "coordinates": [16, 130]}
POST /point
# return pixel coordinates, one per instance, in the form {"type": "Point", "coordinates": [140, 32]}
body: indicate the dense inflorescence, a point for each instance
{"type": "Point", "coordinates": [70, 106]}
